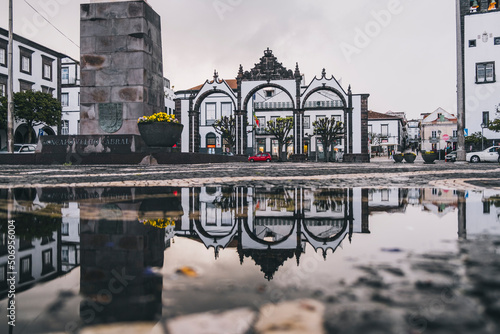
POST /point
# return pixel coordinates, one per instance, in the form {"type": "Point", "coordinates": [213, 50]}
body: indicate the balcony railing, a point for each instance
{"type": "Point", "coordinates": [289, 105]}
{"type": "Point", "coordinates": [324, 104]}
{"type": "Point", "coordinates": [272, 105]}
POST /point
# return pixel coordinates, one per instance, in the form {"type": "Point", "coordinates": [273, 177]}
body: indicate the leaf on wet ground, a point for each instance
{"type": "Point", "coordinates": [187, 271]}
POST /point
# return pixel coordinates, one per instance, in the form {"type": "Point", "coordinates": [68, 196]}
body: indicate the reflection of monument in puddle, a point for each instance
{"type": "Point", "coordinates": [117, 253]}
{"type": "Point", "coordinates": [271, 226]}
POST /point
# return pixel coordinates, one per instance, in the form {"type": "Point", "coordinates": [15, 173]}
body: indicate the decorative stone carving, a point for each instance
{"type": "Point", "coordinates": [268, 69]}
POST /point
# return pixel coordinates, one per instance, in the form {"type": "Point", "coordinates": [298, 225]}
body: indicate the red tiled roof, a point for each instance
{"type": "Point", "coordinates": [232, 83]}
{"type": "Point", "coordinates": [378, 115]}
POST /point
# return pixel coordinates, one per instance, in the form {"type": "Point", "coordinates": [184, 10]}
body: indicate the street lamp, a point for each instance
{"type": "Point", "coordinates": [439, 144]}
{"type": "Point", "coordinates": [482, 135]}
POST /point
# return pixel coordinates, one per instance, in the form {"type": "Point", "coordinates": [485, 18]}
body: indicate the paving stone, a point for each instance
{"type": "Point", "coordinates": [237, 321]}
{"type": "Point", "coordinates": [128, 328]}
{"type": "Point", "coordinates": [295, 317]}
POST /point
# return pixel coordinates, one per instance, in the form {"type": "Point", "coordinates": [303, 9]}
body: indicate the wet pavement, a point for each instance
{"type": "Point", "coordinates": [382, 172]}
{"type": "Point", "coordinates": [444, 281]}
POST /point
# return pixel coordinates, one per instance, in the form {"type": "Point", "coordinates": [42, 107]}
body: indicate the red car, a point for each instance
{"type": "Point", "coordinates": [260, 157]}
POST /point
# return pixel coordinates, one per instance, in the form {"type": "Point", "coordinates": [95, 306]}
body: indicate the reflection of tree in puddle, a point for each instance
{"type": "Point", "coordinates": [32, 218]}
{"type": "Point", "coordinates": [329, 199]}
{"type": "Point", "coordinates": [281, 199]}
{"type": "Point", "coordinates": [225, 200]}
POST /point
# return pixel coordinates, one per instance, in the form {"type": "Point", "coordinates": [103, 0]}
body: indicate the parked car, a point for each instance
{"type": "Point", "coordinates": [228, 153]}
{"type": "Point", "coordinates": [488, 155]}
{"type": "Point", "coordinates": [451, 157]}
{"type": "Point", "coordinates": [260, 157]}
{"type": "Point", "coordinates": [21, 148]}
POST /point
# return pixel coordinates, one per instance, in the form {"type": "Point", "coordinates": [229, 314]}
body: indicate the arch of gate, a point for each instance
{"type": "Point", "coordinates": [262, 86]}
{"type": "Point", "coordinates": [323, 88]}
{"type": "Point", "coordinates": [203, 95]}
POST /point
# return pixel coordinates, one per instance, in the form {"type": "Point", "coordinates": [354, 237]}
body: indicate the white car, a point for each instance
{"type": "Point", "coordinates": [488, 155]}
{"type": "Point", "coordinates": [21, 148]}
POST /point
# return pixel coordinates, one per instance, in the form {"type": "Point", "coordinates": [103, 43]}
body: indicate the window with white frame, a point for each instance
{"type": "Point", "coordinates": [65, 75]}
{"type": "Point", "coordinates": [3, 53]}
{"type": "Point", "coordinates": [3, 89]}
{"type": "Point", "coordinates": [48, 90]}
{"type": "Point", "coordinates": [226, 109]}
{"type": "Point", "coordinates": [3, 276]}
{"type": "Point", "coordinates": [261, 125]}
{"type": "Point", "coordinates": [47, 265]}
{"type": "Point", "coordinates": [25, 269]}
{"type": "Point", "coordinates": [25, 85]}
{"type": "Point", "coordinates": [65, 99]}
{"type": "Point", "coordinates": [454, 134]}
{"type": "Point", "coordinates": [65, 130]}
{"type": "Point", "coordinates": [65, 227]}
{"type": "Point", "coordinates": [64, 254]}
{"type": "Point", "coordinates": [485, 72]}
{"type": "Point", "coordinates": [25, 60]}
{"type": "Point", "coordinates": [47, 68]}
{"type": "Point", "coordinates": [307, 122]}
{"type": "Point", "coordinates": [384, 130]}
{"type": "Point", "coordinates": [434, 134]}
{"type": "Point", "coordinates": [210, 113]}
{"type": "Point", "coordinates": [486, 118]}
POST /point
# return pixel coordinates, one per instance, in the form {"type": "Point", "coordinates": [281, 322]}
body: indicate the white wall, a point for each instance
{"type": "Point", "coordinates": [481, 97]}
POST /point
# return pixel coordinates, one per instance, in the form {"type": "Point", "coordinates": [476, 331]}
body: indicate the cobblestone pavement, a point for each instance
{"type": "Point", "coordinates": [437, 292]}
{"type": "Point", "coordinates": [381, 173]}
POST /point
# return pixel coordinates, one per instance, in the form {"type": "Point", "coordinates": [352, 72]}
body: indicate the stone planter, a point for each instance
{"type": "Point", "coordinates": [160, 134]}
{"type": "Point", "coordinates": [398, 157]}
{"type": "Point", "coordinates": [409, 157]}
{"type": "Point", "coordinates": [429, 157]}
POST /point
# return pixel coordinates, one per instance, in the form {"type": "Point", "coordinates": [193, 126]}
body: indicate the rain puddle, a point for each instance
{"type": "Point", "coordinates": [102, 255]}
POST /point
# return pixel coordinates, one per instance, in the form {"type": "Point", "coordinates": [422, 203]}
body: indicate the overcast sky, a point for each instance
{"type": "Point", "coordinates": [401, 52]}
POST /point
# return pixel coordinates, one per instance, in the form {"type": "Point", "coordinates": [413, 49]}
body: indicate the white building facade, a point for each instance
{"type": "Point", "coordinates": [70, 96]}
{"type": "Point", "coordinates": [481, 46]}
{"type": "Point", "coordinates": [264, 93]}
{"type": "Point", "coordinates": [386, 132]}
{"type": "Point", "coordinates": [35, 67]}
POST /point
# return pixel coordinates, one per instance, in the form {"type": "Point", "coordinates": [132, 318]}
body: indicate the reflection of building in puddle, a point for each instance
{"type": "Point", "coordinates": [391, 200]}
{"type": "Point", "coordinates": [37, 240]}
{"type": "Point", "coordinates": [439, 201]}
{"type": "Point", "coordinates": [481, 213]}
{"type": "Point", "coordinates": [273, 225]}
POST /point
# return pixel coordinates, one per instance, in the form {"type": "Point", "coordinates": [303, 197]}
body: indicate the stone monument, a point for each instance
{"type": "Point", "coordinates": [121, 66]}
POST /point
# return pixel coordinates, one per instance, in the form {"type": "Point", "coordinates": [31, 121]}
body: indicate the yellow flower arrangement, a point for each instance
{"type": "Point", "coordinates": [158, 117]}
{"type": "Point", "coordinates": [159, 223]}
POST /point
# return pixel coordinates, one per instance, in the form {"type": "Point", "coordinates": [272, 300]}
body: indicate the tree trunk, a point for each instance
{"type": "Point", "coordinates": [30, 130]}
{"type": "Point", "coordinates": [325, 149]}
{"type": "Point", "coordinates": [280, 151]}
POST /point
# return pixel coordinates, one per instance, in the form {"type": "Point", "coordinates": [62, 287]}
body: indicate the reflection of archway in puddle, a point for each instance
{"type": "Point", "coordinates": [326, 243]}
{"type": "Point", "coordinates": [269, 242]}
{"type": "Point", "coordinates": [215, 241]}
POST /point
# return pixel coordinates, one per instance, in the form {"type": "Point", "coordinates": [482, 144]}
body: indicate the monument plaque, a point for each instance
{"type": "Point", "coordinates": [110, 116]}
